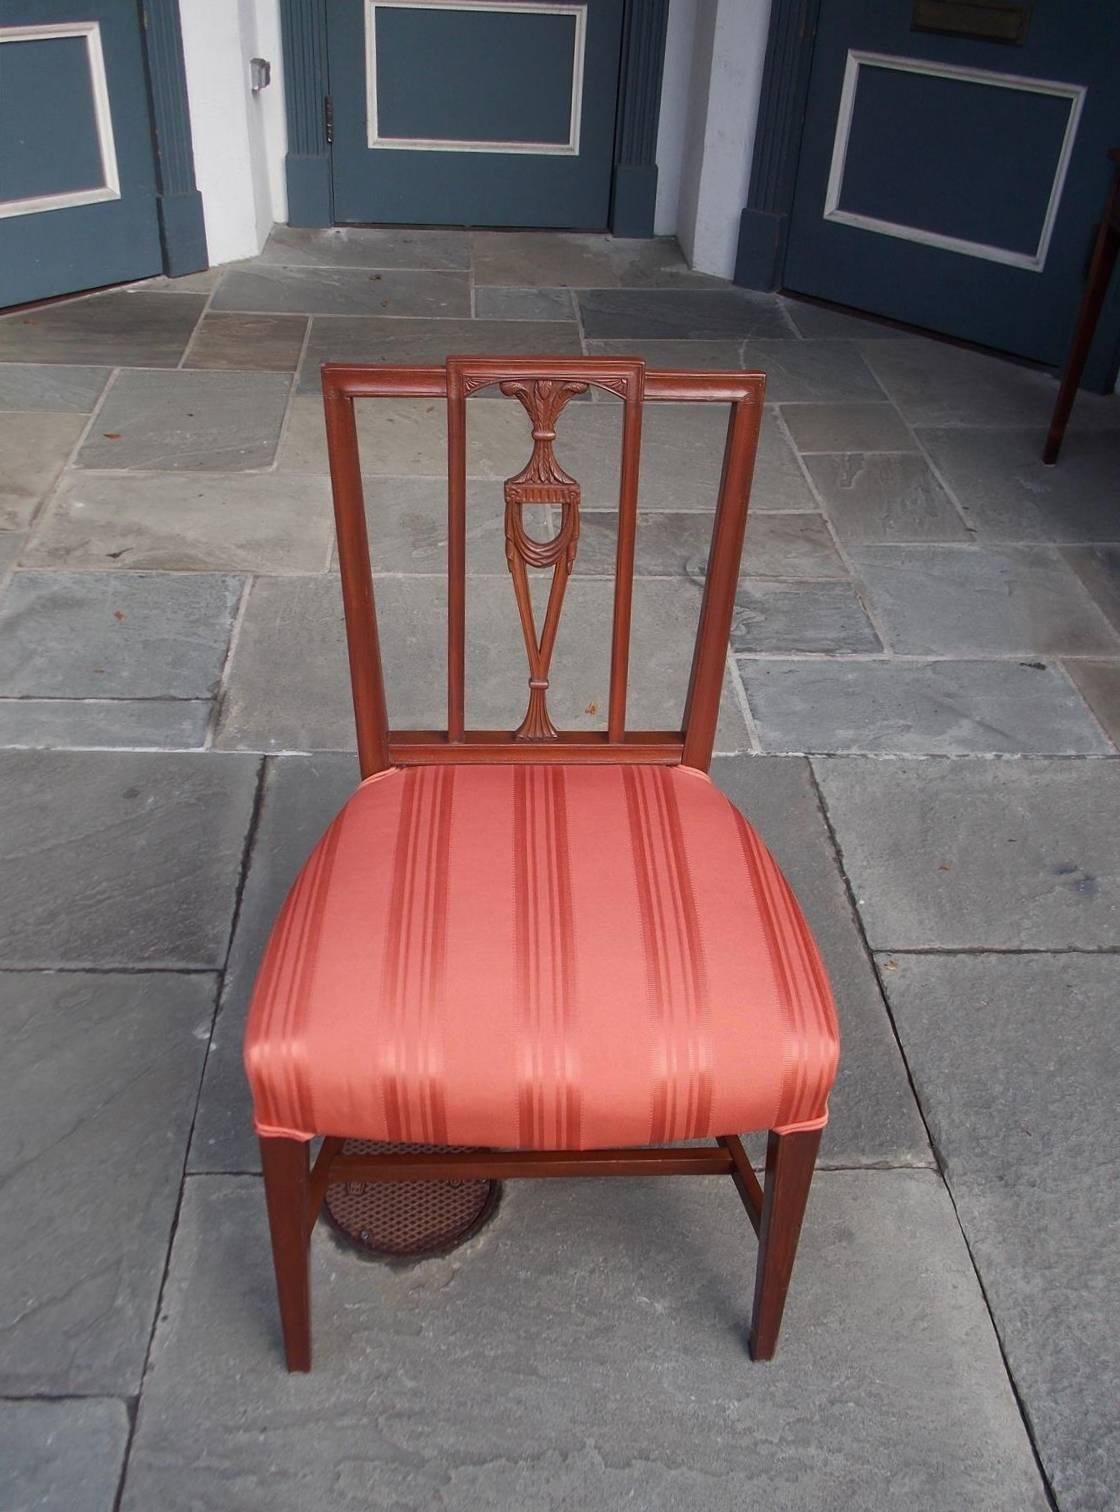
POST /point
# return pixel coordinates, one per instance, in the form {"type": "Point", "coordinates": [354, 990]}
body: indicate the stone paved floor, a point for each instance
{"type": "Point", "coordinates": [174, 734]}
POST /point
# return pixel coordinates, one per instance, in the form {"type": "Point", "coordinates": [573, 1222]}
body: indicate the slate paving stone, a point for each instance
{"type": "Point", "coordinates": [1006, 494]}
{"type": "Point", "coordinates": [115, 635]}
{"type": "Point", "coordinates": [365, 247]}
{"type": "Point", "coordinates": [979, 854]}
{"type": "Point", "coordinates": [100, 1076]}
{"type": "Point", "coordinates": [779, 482]}
{"type": "Point", "coordinates": [1016, 1062]}
{"type": "Point", "coordinates": [1099, 685]}
{"type": "Point", "coordinates": [103, 724]}
{"type": "Point", "coordinates": [33, 450]}
{"type": "Point", "coordinates": [121, 858]}
{"type": "Point", "coordinates": [123, 328]}
{"type": "Point", "coordinates": [28, 386]}
{"type": "Point", "coordinates": [287, 686]}
{"type": "Point", "coordinates": [681, 458]}
{"type": "Point", "coordinates": [401, 437]}
{"type": "Point", "coordinates": [873, 497]}
{"type": "Point", "coordinates": [676, 544]}
{"type": "Point", "coordinates": [993, 601]}
{"type": "Point", "coordinates": [343, 291]}
{"type": "Point", "coordinates": [524, 304]}
{"type": "Point", "coordinates": [550, 259]}
{"type": "Point", "coordinates": [829, 323]}
{"type": "Point", "coordinates": [887, 1347]}
{"type": "Point", "coordinates": [683, 314]}
{"type": "Point", "coordinates": [188, 421]}
{"type": "Point", "coordinates": [1098, 567]}
{"type": "Point", "coordinates": [936, 383]}
{"type": "Point", "coordinates": [288, 689]}
{"type": "Point", "coordinates": [118, 859]}
{"type": "Point", "coordinates": [201, 282]}
{"type": "Point", "coordinates": [873, 1117]}
{"type": "Point", "coordinates": [61, 1456]}
{"type": "Point", "coordinates": [856, 427]}
{"type": "Point", "coordinates": [300, 795]}
{"type": "Point", "coordinates": [10, 545]}
{"type": "Point", "coordinates": [375, 339]}
{"type": "Point", "coordinates": [775, 618]}
{"type": "Point", "coordinates": [937, 708]}
{"type": "Point", "coordinates": [407, 525]}
{"type": "Point", "coordinates": [247, 341]}
{"type": "Point", "coordinates": [187, 522]}
{"type": "Point", "coordinates": [721, 356]}
{"type": "Point", "coordinates": [656, 262]}
{"type": "Point", "coordinates": [803, 371]}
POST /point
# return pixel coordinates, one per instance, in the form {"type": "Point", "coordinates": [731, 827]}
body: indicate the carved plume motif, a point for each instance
{"type": "Point", "coordinates": [541, 481]}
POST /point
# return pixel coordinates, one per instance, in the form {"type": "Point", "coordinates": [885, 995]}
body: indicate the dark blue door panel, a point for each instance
{"type": "Point", "coordinates": [953, 183]}
{"type": "Point", "coordinates": [77, 188]}
{"type": "Point", "coordinates": [491, 114]}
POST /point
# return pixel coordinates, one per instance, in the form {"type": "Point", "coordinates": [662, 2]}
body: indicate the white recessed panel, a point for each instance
{"type": "Point", "coordinates": [569, 148]}
{"type": "Point", "coordinates": [109, 188]}
{"type": "Point", "coordinates": [1033, 260]}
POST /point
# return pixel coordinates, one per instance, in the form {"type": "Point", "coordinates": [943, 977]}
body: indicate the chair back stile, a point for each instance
{"type": "Point", "coordinates": [543, 386]}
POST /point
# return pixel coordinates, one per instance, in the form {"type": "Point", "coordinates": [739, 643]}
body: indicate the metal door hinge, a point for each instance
{"type": "Point", "coordinates": [328, 118]}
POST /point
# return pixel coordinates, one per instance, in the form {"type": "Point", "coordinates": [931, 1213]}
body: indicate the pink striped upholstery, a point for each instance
{"type": "Point", "coordinates": [541, 957]}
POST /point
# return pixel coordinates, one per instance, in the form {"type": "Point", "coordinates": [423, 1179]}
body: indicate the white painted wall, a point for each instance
{"type": "Point", "coordinates": [714, 53]}
{"type": "Point", "coordinates": [239, 138]}
{"type": "Point", "coordinates": [673, 120]}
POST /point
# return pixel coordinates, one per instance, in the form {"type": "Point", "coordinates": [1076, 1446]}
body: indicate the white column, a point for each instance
{"type": "Point", "coordinates": [238, 138]}
{"type": "Point", "coordinates": [715, 51]}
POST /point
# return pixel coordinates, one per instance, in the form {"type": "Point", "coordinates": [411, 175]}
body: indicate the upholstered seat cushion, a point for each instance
{"type": "Point", "coordinates": [542, 957]}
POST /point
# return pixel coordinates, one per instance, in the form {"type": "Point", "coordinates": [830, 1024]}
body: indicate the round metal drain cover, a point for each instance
{"type": "Point", "coordinates": [407, 1220]}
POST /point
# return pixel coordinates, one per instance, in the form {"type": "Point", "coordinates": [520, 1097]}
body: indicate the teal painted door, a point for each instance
{"type": "Point", "coordinates": [460, 112]}
{"type": "Point", "coordinates": [77, 187]}
{"type": "Point", "coordinates": [956, 183]}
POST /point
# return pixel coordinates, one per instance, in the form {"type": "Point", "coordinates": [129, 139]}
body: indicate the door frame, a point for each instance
{"type": "Point", "coordinates": [303, 26]}
{"type": "Point", "coordinates": [182, 229]}
{"type": "Point", "coordinates": [764, 222]}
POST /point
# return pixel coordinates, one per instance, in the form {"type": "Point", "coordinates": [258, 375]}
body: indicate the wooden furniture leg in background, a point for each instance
{"type": "Point", "coordinates": [1100, 272]}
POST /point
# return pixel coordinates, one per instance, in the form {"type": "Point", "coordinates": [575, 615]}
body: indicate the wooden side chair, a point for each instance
{"type": "Point", "coordinates": [562, 949]}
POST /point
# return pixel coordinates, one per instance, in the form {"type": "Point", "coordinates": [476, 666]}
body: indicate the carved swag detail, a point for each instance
{"type": "Point", "coordinates": [541, 481]}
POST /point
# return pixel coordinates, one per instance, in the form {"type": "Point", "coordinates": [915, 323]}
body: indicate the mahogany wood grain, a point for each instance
{"type": "Point", "coordinates": [790, 1159]}
{"type": "Point", "coordinates": [746, 1182]}
{"type": "Point", "coordinates": [284, 1163]}
{"type": "Point", "coordinates": [506, 1165]}
{"type": "Point", "coordinates": [320, 1178]}
{"type": "Point", "coordinates": [367, 680]}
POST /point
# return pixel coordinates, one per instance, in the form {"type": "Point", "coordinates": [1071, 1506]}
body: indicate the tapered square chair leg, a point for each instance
{"type": "Point", "coordinates": [790, 1159]}
{"type": "Point", "coordinates": [284, 1162]}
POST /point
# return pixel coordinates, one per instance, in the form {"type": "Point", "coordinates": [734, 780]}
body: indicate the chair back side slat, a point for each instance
{"type": "Point", "coordinates": [543, 386]}
{"type": "Point", "coordinates": [624, 559]}
{"type": "Point", "coordinates": [456, 556]}
{"type": "Point", "coordinates": [367, 679]}
{"type": "Point", "coordinates": [701, 713]}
